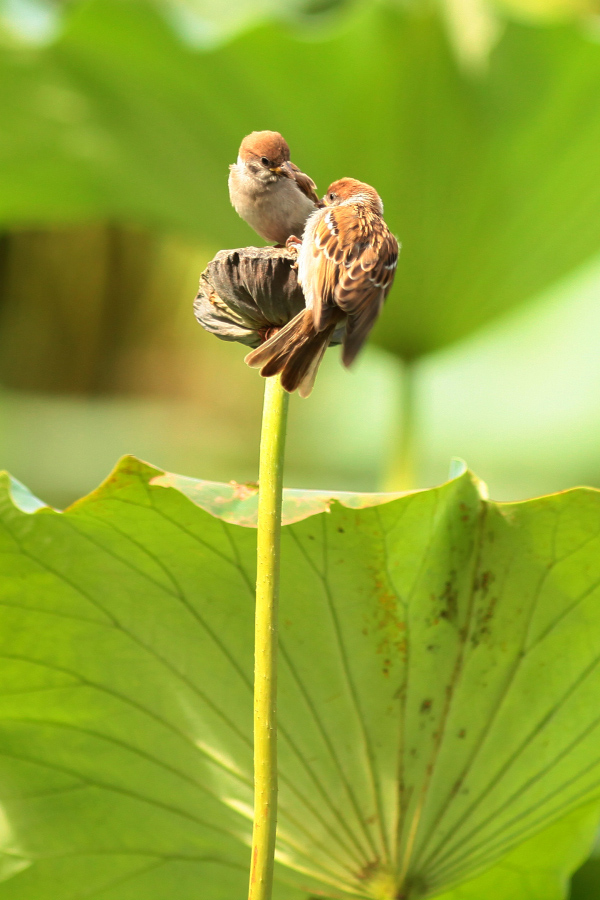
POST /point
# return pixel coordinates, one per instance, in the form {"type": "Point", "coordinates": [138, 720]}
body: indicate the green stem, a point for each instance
{"type": "Point", "coordinates": [401, 472]}
{"type": "Point", "coordinates": [272, 445]}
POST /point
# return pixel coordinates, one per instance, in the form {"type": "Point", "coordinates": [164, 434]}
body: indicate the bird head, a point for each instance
{"type": "Point", "coordinates": [265, 156]}
{"type": "Point", "coordinates": [349, 190]}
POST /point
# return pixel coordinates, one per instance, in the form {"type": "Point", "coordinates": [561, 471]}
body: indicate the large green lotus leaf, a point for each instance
{"type": "Point", "coordinates": [238, 503]}
{"type": "Point", "coordinates": [534, 871]}
{"type": "Point", "coordinates": [492, 183]}
{"type": "Point", "coordinates": [438, 685]}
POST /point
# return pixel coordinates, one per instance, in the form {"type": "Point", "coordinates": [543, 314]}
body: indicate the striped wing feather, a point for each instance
{"type": "Point", "coordinates": [306, 184]}
{"type": "Point", "coordinates": [355, 262]}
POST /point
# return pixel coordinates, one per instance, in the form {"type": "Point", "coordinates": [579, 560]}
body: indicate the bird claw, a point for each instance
{"type": "Point", "coordinates": [292, 245]}
{"type": "Point", "coordinates": [267, 332]}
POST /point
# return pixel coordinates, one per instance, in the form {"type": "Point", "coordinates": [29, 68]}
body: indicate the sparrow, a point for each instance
{"type": "Point", "coordinates": [346, 265]}
{"type": "Point", "coordinates": [268, 191]}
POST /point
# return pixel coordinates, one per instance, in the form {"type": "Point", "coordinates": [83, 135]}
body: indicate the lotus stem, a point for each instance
{"type": "Point", "coordinates": [272, 446]}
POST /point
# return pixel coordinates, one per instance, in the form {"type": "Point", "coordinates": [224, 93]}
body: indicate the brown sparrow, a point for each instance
{"type": "Point", "coordinates": [268, 191]}
{"type": "Point", "coordinates": [346, 265]}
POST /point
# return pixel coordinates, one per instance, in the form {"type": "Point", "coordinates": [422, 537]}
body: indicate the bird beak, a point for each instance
{"type": "Point", "coordinates": [284, 169]}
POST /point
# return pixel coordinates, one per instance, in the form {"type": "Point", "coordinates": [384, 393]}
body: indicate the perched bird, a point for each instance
{"type": "Point", "coordinates": [346, 265]}
{"type": "Point", "coordinates": [268, 191]}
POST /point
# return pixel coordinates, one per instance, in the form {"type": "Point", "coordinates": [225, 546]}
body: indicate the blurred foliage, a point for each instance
{"type": "Point", "coordinates": [490, 180]}
{"type": "Point", "coordinates": [549, 10]}
{"type": "Point", "coordinates": [205, 22]}
{"type": "Point", "coordinates": [87, 292]}
{"type": "Point", "coordinates": [492, 183]}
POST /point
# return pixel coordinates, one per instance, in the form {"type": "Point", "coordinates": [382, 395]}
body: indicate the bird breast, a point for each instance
{"type": "Point", "coordinates": [306, 258]}
{"type": "Point", "coordinates": [274, 209]}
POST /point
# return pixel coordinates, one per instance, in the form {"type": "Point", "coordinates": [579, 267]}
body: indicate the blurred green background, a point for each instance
{"type": "Point", "coordinates": [478, 123]}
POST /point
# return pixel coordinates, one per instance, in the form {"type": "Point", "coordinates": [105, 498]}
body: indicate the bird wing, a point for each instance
{"type": "Point", "coordinates": [355, 257]}
{"type": "Point", "coordinates": [306, 184]}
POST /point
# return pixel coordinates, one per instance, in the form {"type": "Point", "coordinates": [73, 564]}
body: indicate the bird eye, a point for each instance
{"type": "Point", "coordinates": [265, 161]}
{"type": "Point", "coordinates": [331, 196]}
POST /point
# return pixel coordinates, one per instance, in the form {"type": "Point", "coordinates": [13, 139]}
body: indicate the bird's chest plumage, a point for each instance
{"type": "Point", "coordinates": [275, 209]}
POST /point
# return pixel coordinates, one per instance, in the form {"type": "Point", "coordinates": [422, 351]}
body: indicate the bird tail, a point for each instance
{"type": "Point", "coordinates": [295, 353]}
{"type": "Point", "coordinates": [357, 331]}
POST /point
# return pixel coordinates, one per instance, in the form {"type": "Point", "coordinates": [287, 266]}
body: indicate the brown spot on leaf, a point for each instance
{"type": "Point", "coordinates": [487, 578]}
{"type": "Point", "coordinates": [389, 623]}
{"type": "Point", "coordinates": [449, 599]}
{"type": "Point", "coordinates": [244, 491]}
{"type": "Point", "coordinates": [485, 612]}
{"type": "Point", "coordinates": [368, 870]}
